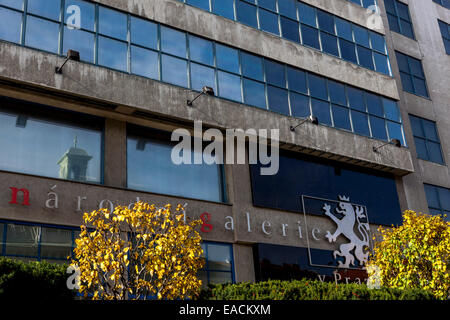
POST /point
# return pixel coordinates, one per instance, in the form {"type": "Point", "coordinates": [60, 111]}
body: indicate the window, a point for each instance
{"type": "Point", "coordinates": [173, 42]}
{"type": "Point", "coordinates": [144, 62]}
{"type": "Point", "coordinates": [144, 33]}
{"type": "Point", "coordinates": [112, 23]}
{"type": "Point", "coordinates": [246, 13]}
{"type": "Point", "coordinates": [50, 144]}
{"type": "Point", "coordinates": [151, 168]}
{"type": "Point", "coordinates": [426, 139]}
{"type": "Point", "coordinates": [444, 3]}
{"type": "Point", "coordinates": [399, 18]}
{"type": "Point", "coordinates": [445, 32]}
{"type": "Point", "coordinates": [438, 199]}
{"type": "Point", "coordinates": [174, 70]}
{"type": "Point", "coordinates": [34, 242]}
{"type": "Point", "coordinates": [254, 93]}
{"type": "Point", "coordinates": [412, 75]}
{"type": "Point", "coordinates": [112, 53]}
{"type": "Point", "coordinates": [223, 8]}
{"type": "Point", "coordinates": [42, 34]}
{"type": "Point", "coordinates": [10, 25]}
{"type": "Point", "coordinates": [218, 267]}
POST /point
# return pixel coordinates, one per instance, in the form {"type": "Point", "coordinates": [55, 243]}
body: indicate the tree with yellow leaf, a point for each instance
{"type": "Point", "coordinates": [138, 253]}
{"type": "Point", "coordinates": [413, 255]}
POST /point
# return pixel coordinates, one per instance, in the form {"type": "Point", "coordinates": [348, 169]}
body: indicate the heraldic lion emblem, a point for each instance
{"type": "Point", "coordinates": [352, 220]}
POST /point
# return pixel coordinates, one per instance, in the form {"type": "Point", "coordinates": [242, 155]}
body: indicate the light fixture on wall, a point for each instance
{"type": "Point", "coordinates": [71, 55]}
{"type": "Point", "coordinates": [205, 90]}
{"type": "Point", "coordinates": [311, 118]}
{"type": "Point", "coordinates": [394, 142]}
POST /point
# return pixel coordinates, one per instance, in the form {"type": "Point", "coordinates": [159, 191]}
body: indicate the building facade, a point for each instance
{"type": "Point", "coordinates": [375, 75]}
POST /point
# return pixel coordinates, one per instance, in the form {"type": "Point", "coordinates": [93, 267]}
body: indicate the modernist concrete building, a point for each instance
{"type": "Point", "coordinates": [97, 133]}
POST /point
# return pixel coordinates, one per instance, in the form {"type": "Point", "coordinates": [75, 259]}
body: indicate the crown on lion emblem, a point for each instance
{"type": "Point", "coordinates": [344, 198]}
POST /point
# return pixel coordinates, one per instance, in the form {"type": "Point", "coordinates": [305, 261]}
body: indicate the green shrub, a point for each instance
{"type": "Point", "coordinates": [33, 280]}
{"type": "Point", "coordinates": [307, 290]}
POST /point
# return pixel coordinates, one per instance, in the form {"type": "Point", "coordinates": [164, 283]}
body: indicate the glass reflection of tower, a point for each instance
{"type": "Point", "coordinates": [73, 164]}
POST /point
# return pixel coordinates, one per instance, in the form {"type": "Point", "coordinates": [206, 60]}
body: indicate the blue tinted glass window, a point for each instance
{"type": "Point", "coordinates": [268, 21]}
{"type": "Point", "coordinates": [317, 86]}
{"type": "Point", "coordinates": [112, 53]}
{"type": "Point", "coordinates": [288, 8]}
{"type": "Point", "coordinates": [201, 50]}
{"type": "Point", "coordinates": [381, 63]}
{"type": "Point", "coordinates": [329, 43]}
{"type": "Point", "coordinates": [341, 117]}
{"type": "Point", "coordinates": [202, 76]}
{"type": "Point", "coordinates": [174, 70]}
{"type": "Point", "coordinates": [416, 124]}
{"type": "Point", "coordinates": [374, 104]}
{"type": "Point", "coordinates": [377, 41]}
{"type": "Point", "coordinates": [395, 131]}
{"type": "Point", "coordinates": [275, 73]}
{"type": "Point", "coordinates": [296, 80]}
{"type": "Point", "coordinates": [435, 152]}
{"type": "Point", "coordinates": [421, 149]}
{"type": "Point", "coordinates": [378, 128]}
{"type": "Point", "coordinates": [229, 86]}
{"type": "Point", "coordinates": [361, 36]}
{"type": "Point", "coordinates": [429, 128]}
{"type": "Point", "coordinates": [173, 41]}
{"type": "Point", "coordinates": [278, 100]}
{"type": "Point", "coordinates": [420, 87]}
{"type": "Point", "coordinates": [407, 83]}
{"type": "Point", "coordinates": [393, 23]}
{"type": "Point", "coordinates": [365, 57]}
{"type": "Point", "coordinates": [268, 4]}
{"type": "Point", "coordinates": [81, 41]}
{"type": "Point", "coordinates": [254, 93]}
{"type": "Point", "coordinates": [432, 196]}
{"type": "Point", "coordinates": [112, 23]}
{"type": "Point", "coordinates": [252, 66]}
{"type": "Point", "coordinates": [344, 29]}
{"type": "Point", "coordinates": [49, 8]}
{"type": "Point", "coordinates": [16, 4]}
{"type": "Point", "coordinates": [321, 109]}
{"type": "Point", "coordinates": [326, 21]}
{"type": "Point", "coordinates": [144, 33]}
{"type": "Point", "coordinates": [307, 14]}
{"type": "Point", "coordinates": [223, 8]}
{"type": "Point", "coordinates": [360, 123]}
{"type": "Point", "coordinates": [348, 50]}
{"type": "Point", "coordinates": [227, 58]}
{"type": "Point", "coordinates": [144, 62]}
{"type": "Point", "coordinates": [246, 13]}
{"type": "Point", "coordinates": [299, 105]}
{"type": "Point", "coordinates": [337, 92]}
{"type": "Point", "coordinates": [42, 34]}
{"type": "Point", "coordinates": [391, 110]}
{"type": "Point", "coordinates": [310, 36]}
{"type": "Point", "coordinates": [290, 29]}
{"type": "Point", "coordinates": [202, 4]}
{"type": "Point", "coordinates": [86, 10]}
{"type": "Point", "coordinates": [356, 99]}
{"type": "Point", "coordinates": [10, 25]}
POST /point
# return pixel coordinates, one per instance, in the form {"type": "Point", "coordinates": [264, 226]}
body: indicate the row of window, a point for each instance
{"type": "Point", "coordinates": [36, 242]}
{"type": "Point", "coordinates": [179, 58]}
{"type": "Point", "coordinates": [305, 24]}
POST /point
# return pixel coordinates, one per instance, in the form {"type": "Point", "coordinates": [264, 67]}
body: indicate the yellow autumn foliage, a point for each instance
{"type": "Point", "coordinates": [414, 255]}
{"type": "Point", "coordinates": [138, 253]}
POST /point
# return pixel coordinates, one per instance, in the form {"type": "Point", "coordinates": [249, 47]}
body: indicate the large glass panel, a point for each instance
{"type": "Point", "coordinates": [275, 73]}
{"type": "Point", "coordinates": [356, 99]}
{"type": "Point", "coordinates": [223, 8]}
{"type": "Point", "coordinates": [46, 147]}
{"type": "Point", "coordinates": [151, 168]}
{"type": "Point", "coordinates": [420, 87]}
{"type": "Point", "coordinates": [219, 258]}
{"type": "Point", "coordinates": [144, 62]}
{"type": "Point", "coordinates": [229, 86]}
{"type": "Point", "coordinates": [296, 80]}
{"type": "Point", "coordinates": [416, 125]}
{"type": "Point", "coordinates": [202, 4]}
{"type": "Point", "coordinates": [56, 243]}
{"type": "Point", "coordinates": [326, 21]}
{"type": "Point", "coordinates": [341, 117]}
{"type": "Point", "coordinates": [49, 8]}
{"type": "Point", "coordinates": [288, 8]}
{"type": "Point", "coordinates": [268, 21]}
{"type": "Point", "coordinates": [444, 198]}
{"type": "Point", "coordinates": [86, 11]}
{"type": "Point", "coordinates": [337, 92]}
{"type": "Point", "coordinates": [321, 109]}
{"type": "Point", "coordinates": [173, 42]}
{"type": "Point", "coordinates": [22, 240]}
{"type": "Point", "coordinates": [421, 148]}
{"type": "Point", "coordinates": [348, 50]}
{"type": "Point", "coordinates": [268, 4]}
{"type": "Point", "coordinates": [317, 86]}
{"type": "Point", "coordinates": [374, 104]}
{"type": "Point", "coordinates": [307, 14]}
{"type": "Point", "coordinates": [254, 93]}
{"type": "Point", "coordinates": [432, 196]}
{"type": "Point", "coordinates": [16, 4]}
{"type": "Point", "coordinates": [144, 33]}
{"type": "Point", "coordinates": [174, 70]}
{"type": "Point", "coordinates": [112, 53]}
{"type": "Point", "coordinates": [378, 128]}
{"type": "Point", "coordinates": [365, 57]}
{"type": "Point", "coordinates": [202, 76]}
{"type": "Point", "coordinates": [381, 63]}
{"type": "Point", "coordinates": [344, 29]}
{"type": "Point", "coordinates": [361, 36]}
{"type": "Point", "coordinates": [201, 50]}
{"type": "Point", "coordinates": [112, 23]}
{"type": "Point", "coordinates": [10, 25]}
{"type": "Point", "coordinates": [360, 123]}
{"type": "Point", "coordinates": [252, 66]}
{"type": "Point", "coordinates": [378, 42]}
{"type": "Point", "coordinates": [299, 105]}
{"type": "Point", "coordinates": [310, 36]}
{"type": "Point", "coordinates": [429, 128]}
{"type": "Point", "coordinates": [290, 29]}
{"type": "Point", "coordinates": [227, 58]}
{"type": "Point", "coordinates": [395, 131]}
{"type": "Point", "coordinates": [329, 43]}
{"type": "Point", "coordinates": [391, 110]}
{"type": "Point", "coordinates": [278, 100]}
{"type": "Point", "coordinates": [246, 13]}
{"type": "Point", "coordinates": [81, 41]}
{"type": "Point", "coordinates": [42, 34]}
